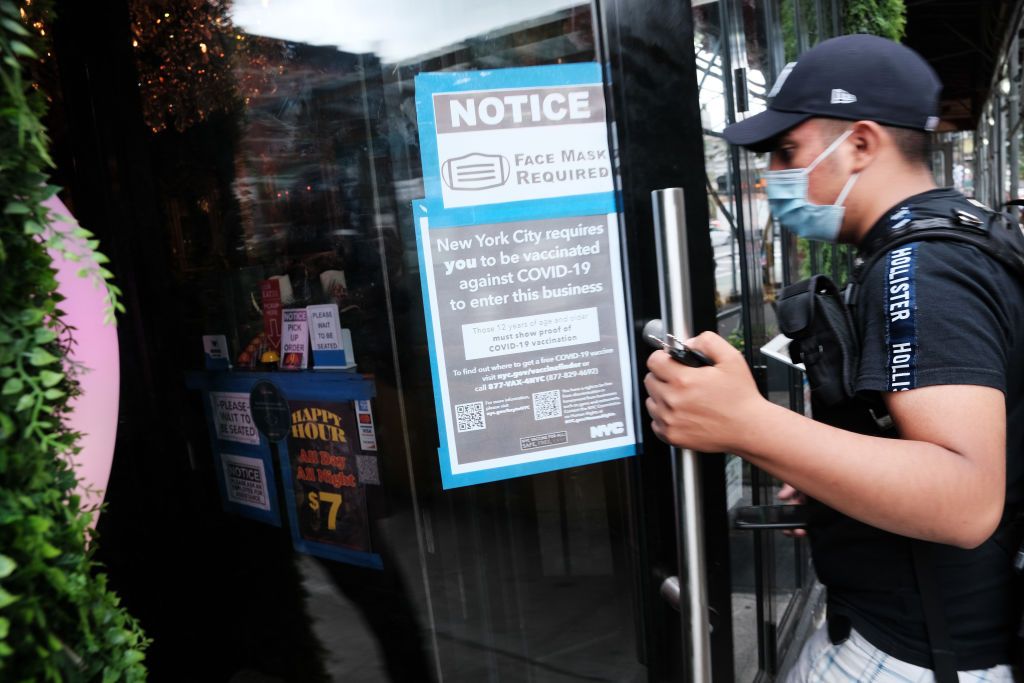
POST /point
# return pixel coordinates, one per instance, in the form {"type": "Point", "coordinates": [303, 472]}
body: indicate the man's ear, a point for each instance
{"type": "Point", "coordinates": [867, 138]}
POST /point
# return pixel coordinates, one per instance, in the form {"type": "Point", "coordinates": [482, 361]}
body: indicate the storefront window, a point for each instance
{"type": "Point", "coordinates": [285, 154]}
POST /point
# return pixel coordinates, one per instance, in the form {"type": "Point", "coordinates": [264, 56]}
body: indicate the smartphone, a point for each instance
{"type": "Point", "coordinates": [770, 517]}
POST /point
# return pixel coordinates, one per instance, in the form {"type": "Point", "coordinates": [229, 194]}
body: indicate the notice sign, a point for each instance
{"type": "Point", "coordinates": [529, 336]}
{"type": "Point", "coordinates": [294, 339]}
{"type": "Point", "coordinates": [518, 242]}
{"type": "Point", "coordinates": [232, 419]}
{"type": "Point", "coordinates": [325, 332]}
{"type": "Point", "coordinates": [245, 481]}
{"type": "Point", "coordinates": [215, 348]}
{"type": "Point", "coordinates": [513, 135]}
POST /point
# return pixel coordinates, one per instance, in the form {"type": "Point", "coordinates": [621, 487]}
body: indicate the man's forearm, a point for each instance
{"type": "Point", "coordinates": [912, 488]}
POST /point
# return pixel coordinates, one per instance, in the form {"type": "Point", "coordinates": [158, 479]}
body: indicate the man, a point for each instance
{"type": "Point", "coordinates": [941, 326]}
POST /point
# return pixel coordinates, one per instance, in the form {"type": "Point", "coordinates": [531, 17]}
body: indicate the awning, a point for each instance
{"type": "Point", "coordinates": [965, 41]}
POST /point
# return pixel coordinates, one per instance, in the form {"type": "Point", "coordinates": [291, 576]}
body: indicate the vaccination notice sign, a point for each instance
{"type": "Point", "coordinates": [518, 242]}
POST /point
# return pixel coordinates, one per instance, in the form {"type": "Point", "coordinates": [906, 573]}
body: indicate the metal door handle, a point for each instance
{"type": "Point", "coordinates": [676, 304]}
{"type": "Point", "coordinates": [669, 590]}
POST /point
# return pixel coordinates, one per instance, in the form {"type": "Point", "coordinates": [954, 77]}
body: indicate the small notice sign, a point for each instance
{"type": "Point", "coordinates": [245, 481]}
{"type": "Point", "coordinates": [294, 339]}
{"type": "Point", "coordinates": [270, 298]}
{"type": "Point", "coordinates": [215, 348]}
{"type": "Point", "coordinates": [326, 335]}
{"type": "Point", "coordinates": [232, 419]}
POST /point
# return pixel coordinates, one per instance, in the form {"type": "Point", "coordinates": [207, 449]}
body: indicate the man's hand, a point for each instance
{"type": "Point", "coordinates": [701, 408]}
{"type": "Point", "coordinates": [789, 495]}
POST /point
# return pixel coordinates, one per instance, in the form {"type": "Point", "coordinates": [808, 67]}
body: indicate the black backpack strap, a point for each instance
{"type": "Point", "coordinates": [943, 656]}
{"type": "Point", "coordinates": [1000, 237]}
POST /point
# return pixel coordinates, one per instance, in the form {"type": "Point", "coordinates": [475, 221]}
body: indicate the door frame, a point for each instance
{"type": "Point", "coordinates": [656, 127]}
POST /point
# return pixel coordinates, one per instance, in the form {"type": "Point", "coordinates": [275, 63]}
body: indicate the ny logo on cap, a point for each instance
{"type": "Point", "coordinates": [840, 96]}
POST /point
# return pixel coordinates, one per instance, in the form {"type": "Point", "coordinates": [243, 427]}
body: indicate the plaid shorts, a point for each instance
{"type": "Point", "coordinates": [857, 660]}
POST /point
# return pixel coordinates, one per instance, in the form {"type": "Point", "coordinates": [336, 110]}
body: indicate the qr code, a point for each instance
{"type": "Point", "coordinates": [469, 417]}
{"type": "Point", "coordinates": [366, 467]}
{"type": "Point", "coordinates": [547, 404]}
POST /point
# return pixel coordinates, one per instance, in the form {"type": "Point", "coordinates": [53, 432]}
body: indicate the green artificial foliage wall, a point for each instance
{"type": "Point", "coordinates": [886, 18]}
{"type": "Point", "coordinates": [58, 619]}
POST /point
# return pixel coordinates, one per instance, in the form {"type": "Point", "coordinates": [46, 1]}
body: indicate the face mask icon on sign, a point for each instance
{"type": "Point", "coordinates": [475, 172]}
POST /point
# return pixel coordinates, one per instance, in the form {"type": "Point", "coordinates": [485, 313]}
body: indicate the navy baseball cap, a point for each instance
{"type": "Point", "coordinates": [856, 77]}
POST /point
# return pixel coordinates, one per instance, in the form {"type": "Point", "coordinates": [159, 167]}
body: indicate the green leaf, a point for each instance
{"type": "Point", "coordinates": [25, 402]}
{"type": "Point", "coordinates": [50, 551]}
{"type": "Point", "coordinates": [5, 336]}
{"type": "Point", "coordinates": [7, 566]}
{"type": "Point", "coordinates": [40, 357]}
{"type": "Point", "coordinates": [45, 335]}
{"type": "Point", "coordinates": [5, 628]}
{"type": "Point", "coordinates": [22, 50]}
{"type": "Point", "coordinates": [6, 598]}
{"type": "Point", "coordinates": [117, 636]}
{"type": "Point", "coordinates": [33, 228]}
{"type": "Point", "coordinates": [12, 386]}
{"type": "Point", "coordinates": [100, 257]}
{"type": "Point", "coordinates": [6, 427]}
{"type": "Point", "coordinates": [17, 208]}
{"type": "Point", "coordinates": [52, 394]}
{"type": "Point", "coordinates": [14, 27]}
{"type": "Point", "coordinates": [50, 378]}
{"type": "Point", "coordinates": [31, 317]}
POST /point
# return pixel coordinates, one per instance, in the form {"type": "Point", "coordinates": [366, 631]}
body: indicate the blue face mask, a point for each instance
{"type": "Point", "coordinates": [788, 202]}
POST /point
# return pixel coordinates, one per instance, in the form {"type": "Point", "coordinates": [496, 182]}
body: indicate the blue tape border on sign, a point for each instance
{"type": "Point", "coordinates": [450, 480]}
{"type": "Point", "coordinates": [422, 208]}
{"type": "Point", "coordinates": [429, 84]}
{"type": "Point", "coordinates": [598, 204]}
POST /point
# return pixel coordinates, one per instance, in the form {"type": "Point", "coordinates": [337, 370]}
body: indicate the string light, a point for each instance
{"type": "Point", "coordinates": [193, 62]}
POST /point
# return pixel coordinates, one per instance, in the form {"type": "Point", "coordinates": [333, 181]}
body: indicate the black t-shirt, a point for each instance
{"type": "Point", "coordinates": [931, 313]}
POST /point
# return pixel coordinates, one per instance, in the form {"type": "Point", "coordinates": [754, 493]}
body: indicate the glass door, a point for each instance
{"type": "Point", "coordinates": [741, 45]}
{"type": "Point", "coordinates": [245, 157]}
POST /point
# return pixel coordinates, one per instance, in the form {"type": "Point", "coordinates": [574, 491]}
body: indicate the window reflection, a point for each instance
{"type": "Point", "coordinates": [395, 30]}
